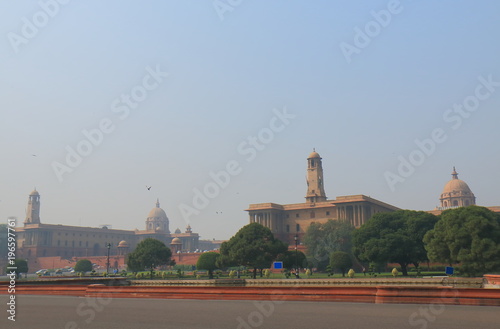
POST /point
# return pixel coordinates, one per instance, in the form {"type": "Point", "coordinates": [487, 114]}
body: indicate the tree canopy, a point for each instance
{"type": "Point", "coordinates": [3, 242]}
{"type": "Point", "coordinates": [292, 258]}
{"type": "Point", "coordinates": [83, 265]}
{"type": "Point", "coordinates": [148, 254]}
{"type": "Point", "coordinates": [469, 236]}
{"type": "Point", "coordinates": [340, 260]}
{"type": "Point", "coordinates": [323, 239]}
{"type": "Point", "coordinates": [253, 246]}
{"type": "Point", "coordinates": [207, 261]}
{"type": "Point", "coordinates": [394, 237]}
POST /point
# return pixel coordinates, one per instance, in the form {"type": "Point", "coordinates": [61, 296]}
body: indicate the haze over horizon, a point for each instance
{"type": "Point", "coordinates": [100, 100]}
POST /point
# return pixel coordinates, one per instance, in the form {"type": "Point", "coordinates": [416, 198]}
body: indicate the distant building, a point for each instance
{"type": "Point", "coordinates": [36, 239]}
{"type": "Point", "coordinates": [457, 193]}
{"type": "Point", "coordinates": [286, 221]}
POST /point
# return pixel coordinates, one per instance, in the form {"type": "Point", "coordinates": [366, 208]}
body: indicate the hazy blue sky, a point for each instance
{"type": "Point", "coordinates": [363, 80]}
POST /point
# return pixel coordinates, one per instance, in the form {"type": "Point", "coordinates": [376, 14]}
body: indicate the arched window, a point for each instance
{"type": "Point", "coordinates": [455, 203]}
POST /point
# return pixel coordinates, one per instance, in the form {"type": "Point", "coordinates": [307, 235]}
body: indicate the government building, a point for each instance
{"type": "Point", "coordinates": [289, 220]}
{"type": "Point", "coordinates": [36, 240]}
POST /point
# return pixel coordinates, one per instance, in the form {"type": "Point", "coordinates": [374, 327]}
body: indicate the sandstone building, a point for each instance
{"type": "Point", "coordinates": [287, 221]}
{"type": "Point", "coordinates": [36, 239]}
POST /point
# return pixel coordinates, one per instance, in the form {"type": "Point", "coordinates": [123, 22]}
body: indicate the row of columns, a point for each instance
{"type": "Point", "coordinates": [263, 218]}
{"type": "Point", "coordinates": [355, 214]}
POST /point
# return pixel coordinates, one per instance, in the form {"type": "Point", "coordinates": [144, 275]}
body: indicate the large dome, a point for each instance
{"type": "Point", "coordinates": [457, 193]}
{"type": "Point", "coordinates": [157, 213]}
{"type": "Point", "coordinates": [456, 186]}
{"type": "Point", "coordinates": [157, 220]}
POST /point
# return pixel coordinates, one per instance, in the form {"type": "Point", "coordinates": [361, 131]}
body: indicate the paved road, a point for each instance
{"type": "Point", "coordinates": [44, 312]}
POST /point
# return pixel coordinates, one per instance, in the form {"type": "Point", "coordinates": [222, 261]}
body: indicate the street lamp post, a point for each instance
{"type": "Point", "coordinates": [296, 238]}
{"type": "Point", "coordinates": [107, 263]}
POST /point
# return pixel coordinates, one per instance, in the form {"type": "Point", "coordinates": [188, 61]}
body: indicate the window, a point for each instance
{"type": "Point", "coordinates": [65, 243]}
{"type": "Point", "coordinates": [288, 229]}
{"type": "Point", "coordinates": [313, 214]}
{"type": "Point", "coordinates": [297, 215]}
{"type": "Point", "coordinates": [58, 243]}
{"type": "Point", "coordinates": [297, 227]}
{"type": "Point", "coordinates": [328, 213]}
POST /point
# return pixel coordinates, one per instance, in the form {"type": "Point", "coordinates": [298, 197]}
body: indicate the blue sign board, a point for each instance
{"type": "Point", "coordinates": [449, 270]}
{"type": "Point", "coordinates": [278, 265]}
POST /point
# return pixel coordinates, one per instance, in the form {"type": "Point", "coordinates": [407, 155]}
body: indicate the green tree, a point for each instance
{"type": "Point", "coordinates": [395, 237]}
{"type": "Point", "coordinates": [340, 260]}
{"type": "Point", "coordinates": [83, 265]}
{"type": "Point", "coordinates": [3, 243]}
{"type": "Point", "coordinates": [21, 266]}
{"type": "Point", "coordinates": [292, 258]}
{"type": "Point", "coordinates": [323, 239]}
{"type": "Point", "coordinates": [149, 254]}
{"type": "Point", "coordinates": [253, 246]}
{"type": "Point", "coordinates": [469, 236]}
{"type": "Point", "coordinates": [207, 261]}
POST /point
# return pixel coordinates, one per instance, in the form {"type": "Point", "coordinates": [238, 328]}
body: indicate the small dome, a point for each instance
{"type": "Point", "coordinates": [123, 244]}
{"type": "Point", "coordinates": [34, 192]}
{"type": "Point", "coordinates": [177, 231]}
{"type": "Point", "coordinates": [314, 154]}
{"type": "Point", "coordinates": [176, 241]}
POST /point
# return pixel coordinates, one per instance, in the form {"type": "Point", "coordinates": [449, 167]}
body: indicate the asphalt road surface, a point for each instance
{"type": "Point", "coordinates": [54, 312]}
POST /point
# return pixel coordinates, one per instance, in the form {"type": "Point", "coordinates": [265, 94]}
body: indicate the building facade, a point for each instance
{"type": "Point", "coordinates": [287, 221]}
{"type": "Point", "coordinates": [36, 239]}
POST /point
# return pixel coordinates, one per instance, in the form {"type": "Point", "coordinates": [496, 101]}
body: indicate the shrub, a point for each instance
{"type": "Point", "coordinates": [351, 273]}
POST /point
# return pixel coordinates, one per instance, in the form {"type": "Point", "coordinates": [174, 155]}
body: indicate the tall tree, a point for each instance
{"type": "Point", "coordinates": [340, 260]}
{"type": "Point", "coordinates": [323, 239]}
{"type": "Point", "coordinates": [207, 261]}
{"type": "Point", "coordinates": [469, 236]}
{"type": "Point", "coordinates": [148, 254]}
{"type": "Point", "coordinates": [253, 246]}
{"type": "Point", "coordinates": [394, 237]}
{"type": "Point", "coordinates": [3, 243]}
{"type": "Point", "coordinates": [21, 266]}
{"type": "Point", "coordinates": [292, 258]}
